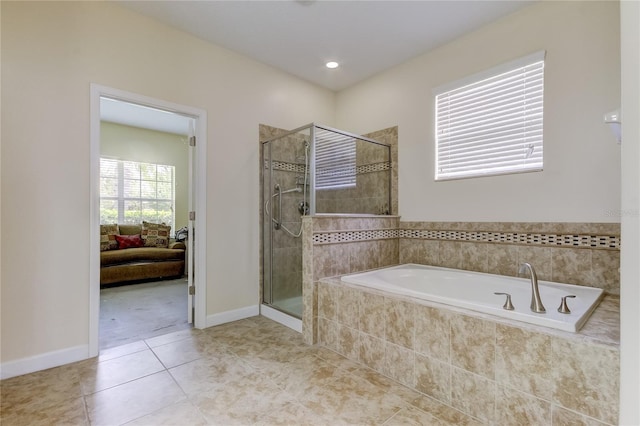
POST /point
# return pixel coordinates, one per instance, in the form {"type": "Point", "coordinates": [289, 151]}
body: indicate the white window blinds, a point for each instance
{"type": "Point", "coordinates": [131, 192]}
{"type": "Point", "coordinates": [335, 160]}
{"type": "Point", "coordinates": [491, 123]}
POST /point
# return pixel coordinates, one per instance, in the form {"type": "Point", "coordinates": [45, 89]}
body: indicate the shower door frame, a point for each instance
{"type": "Point", "coordinates": [263, 300]}
{"type": "Point", "coordinates": [311, 127]}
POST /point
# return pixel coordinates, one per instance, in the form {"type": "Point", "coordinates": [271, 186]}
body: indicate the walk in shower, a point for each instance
{"type": "Point", "coordinates": [313, 170]}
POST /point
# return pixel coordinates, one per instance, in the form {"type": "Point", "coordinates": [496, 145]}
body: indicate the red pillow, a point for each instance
{"type": "Point", "coordinates": [129, 241]}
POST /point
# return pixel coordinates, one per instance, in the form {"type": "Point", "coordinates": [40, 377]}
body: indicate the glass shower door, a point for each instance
{"type": "Point", "coordinates": [285, 193]}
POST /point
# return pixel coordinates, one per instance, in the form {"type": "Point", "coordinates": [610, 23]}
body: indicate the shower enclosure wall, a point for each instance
{"type": "Point", "coordinates": [309, 171]}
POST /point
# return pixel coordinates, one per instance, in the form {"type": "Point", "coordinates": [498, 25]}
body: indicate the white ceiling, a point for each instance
{"type": "Point", "coordinates": [299, 36]}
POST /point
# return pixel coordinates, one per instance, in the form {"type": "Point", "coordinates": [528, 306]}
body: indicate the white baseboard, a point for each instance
{"type": "Point", "coordinates": [282, 318]}
{"type": "Point", "coordinates": [43, 361]}
{"type": "Point", "coordinates": [234, 315]}
{"type": "Point", "coordinates": [78, 353]}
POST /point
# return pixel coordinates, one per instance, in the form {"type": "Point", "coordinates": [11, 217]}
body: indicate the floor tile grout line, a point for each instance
{"type": "Point", "coordinates": [341, 368]}
{"type": "Point", "coordinates": [146, 414]}
{"type": "Point", "coordinates": [422, 395]}
{"type": "Point", "coordinates": [186, 337]}
{"type": "Point", "coordinates": [86, 410]}
{"type": "Point", "coordinates": [125, 382]}
{"type": "Point", "coordinates": [159, 360]}
{"type": "Point", "coordinates": [186, 398]}
{"type": "Point", "coordinates": [392, 416]}
{"type": "Point", "coordinates": [98, 361]}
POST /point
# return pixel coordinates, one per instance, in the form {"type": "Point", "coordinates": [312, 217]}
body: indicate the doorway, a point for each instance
{"type": "Point", "coordinates": [136, 112]}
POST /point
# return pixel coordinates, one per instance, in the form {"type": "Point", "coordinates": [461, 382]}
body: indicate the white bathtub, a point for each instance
{"type": "Point", "coordinates": [475, 291]}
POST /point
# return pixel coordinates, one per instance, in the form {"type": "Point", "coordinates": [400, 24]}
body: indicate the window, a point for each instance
{"type": "Point", "coordinates": [335, 160]}
{"type": "Point", "coordinates": [131, 192]}
{"type": "Point", "coordinates": [491, 123]}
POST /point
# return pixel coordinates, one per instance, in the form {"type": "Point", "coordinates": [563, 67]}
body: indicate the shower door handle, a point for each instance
{"type": "Point", "coordinates": [278, 221]}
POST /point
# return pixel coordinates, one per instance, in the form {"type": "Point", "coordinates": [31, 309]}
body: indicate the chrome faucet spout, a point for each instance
{"type": "Point", "coordinates": [536, 302]}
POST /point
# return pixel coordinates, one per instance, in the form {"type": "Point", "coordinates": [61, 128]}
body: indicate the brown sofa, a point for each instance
{"type": "Point", "coordinates": [140, 263]}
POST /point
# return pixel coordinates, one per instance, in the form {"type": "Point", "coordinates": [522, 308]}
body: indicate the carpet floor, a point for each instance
{"type": "Point", "coordinates": [136, 312]}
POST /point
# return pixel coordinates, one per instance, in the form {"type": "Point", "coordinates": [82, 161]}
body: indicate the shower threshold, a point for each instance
{"type": "Point", "coordinates": [281, 317]}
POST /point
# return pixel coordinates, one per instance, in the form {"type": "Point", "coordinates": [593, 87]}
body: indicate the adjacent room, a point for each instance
{"type": "Point", "coordinates": [144, 196]}
{"type": "Point", "coordinates": [374, 212]}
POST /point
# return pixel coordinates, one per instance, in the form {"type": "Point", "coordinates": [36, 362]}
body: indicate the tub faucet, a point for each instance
{"type": "Point", "coordinates": [536, 303]}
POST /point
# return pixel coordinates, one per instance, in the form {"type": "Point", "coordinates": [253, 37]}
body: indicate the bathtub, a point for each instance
{"type": "Point", "coordinates": [475, 291]}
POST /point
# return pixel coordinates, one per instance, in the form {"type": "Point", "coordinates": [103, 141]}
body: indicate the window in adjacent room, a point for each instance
{"type": "Point", "coordinates": [491, 123]}
{"type": "Point", "coordinates": [131, 192]}
{"type": "Point", "coordinates": [335, 160]}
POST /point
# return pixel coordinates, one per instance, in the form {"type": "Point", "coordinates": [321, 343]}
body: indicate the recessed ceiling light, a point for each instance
{"type": "Point", "coordinates": [332, 65]}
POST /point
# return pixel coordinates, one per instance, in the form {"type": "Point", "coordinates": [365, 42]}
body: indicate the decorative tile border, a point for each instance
{"type": "Point", "coordinates": [588, 241]}
{"type": "Point", "coordinates": [286, 167]}
{"type": "Point", "coordinates": [373, 167]}
{"type": "Point", "coordinates": [556, 240]}
{"type": "Point", "coordinates": [352, 236]}
{"type": "Point", "coordinates": [299, 168]}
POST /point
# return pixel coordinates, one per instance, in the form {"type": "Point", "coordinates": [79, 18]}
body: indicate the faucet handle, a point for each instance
{"type": "Point", "coordinates": [564, 308]}
{"type": "Point", "coordinates": [507, 304]}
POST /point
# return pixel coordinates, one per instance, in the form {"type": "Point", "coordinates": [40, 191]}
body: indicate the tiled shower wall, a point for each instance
{"type": "Point", "coordinates": [390, 137]}
{"type": "Point", "coordinates": [288, 155]}
{"type": "Point", "coordinates": [371, 193]}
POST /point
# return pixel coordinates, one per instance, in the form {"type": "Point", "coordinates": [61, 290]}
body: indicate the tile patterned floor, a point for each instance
{"type": "Point", "coordinates": [250, 372]}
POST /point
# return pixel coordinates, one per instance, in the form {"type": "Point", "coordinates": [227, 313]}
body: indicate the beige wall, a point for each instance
{"type": "Point", "coordinates": [0, 189]}
{"type": "Point", "coordinates": [144, 145]}
{"type": "Point", "coordinates": [630, 226]}
{"type": "Point", "coordinates": [581, 180]}
{"type": "Point", "coordinates": [51, 52]}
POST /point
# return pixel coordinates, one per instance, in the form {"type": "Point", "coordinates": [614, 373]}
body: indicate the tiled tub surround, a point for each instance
{"type": "Point", "coordinates": [495, 370]}
{"type": "Point", "coordinates": [485, 293]}
{"type": "Point", "coordinates": [370, 242]}
{"type": "Point", "coordinates": [572, 253]}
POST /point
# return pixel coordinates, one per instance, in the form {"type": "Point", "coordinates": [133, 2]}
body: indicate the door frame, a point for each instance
{"type": "Point", "coordinates": [200, 202]}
